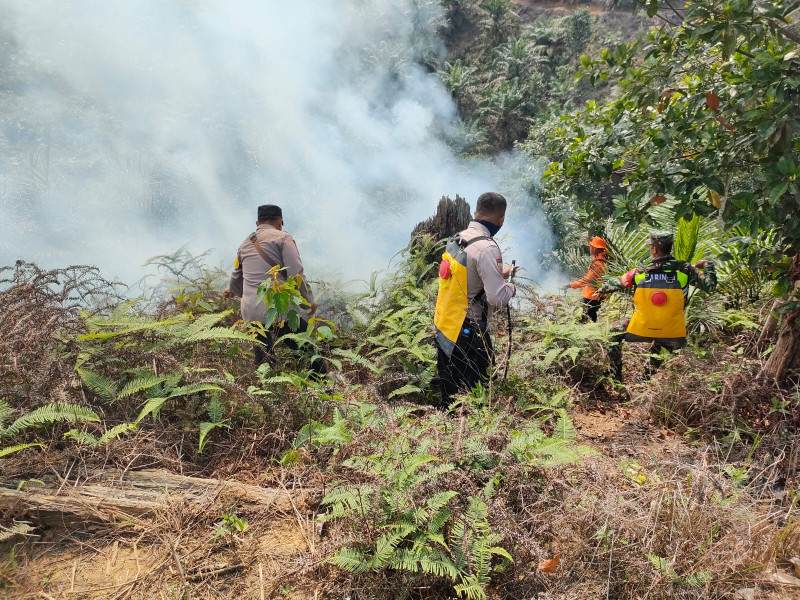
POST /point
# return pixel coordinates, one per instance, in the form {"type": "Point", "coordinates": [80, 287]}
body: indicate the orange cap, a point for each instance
{"type": "Point", "coordinates": [598, 242]}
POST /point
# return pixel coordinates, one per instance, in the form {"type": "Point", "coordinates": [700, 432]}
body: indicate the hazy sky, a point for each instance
{"type": "Point", "coordinates": [130, 129]}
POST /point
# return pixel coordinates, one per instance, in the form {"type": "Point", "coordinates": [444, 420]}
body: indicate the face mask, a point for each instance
{"type": "Point", "coordinates": [493, 229]}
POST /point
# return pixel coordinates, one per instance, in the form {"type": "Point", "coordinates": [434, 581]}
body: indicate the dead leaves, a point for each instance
{"type": "Point", "coordinates": [712, 101]}
{"type": "Point", "coordinates": [549, 566]}
{"type": "Point", "coordinates": [724, 123]}
{"type": "Point", "coordinates": [658, 199]}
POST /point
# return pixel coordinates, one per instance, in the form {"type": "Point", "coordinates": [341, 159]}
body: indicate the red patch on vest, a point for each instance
{"type": "Point", "coordinates": [500, 264]}
{"type": "Point", "coordinates": [659, 298]}
{"type": "Point", "coordinates": [444, 269]}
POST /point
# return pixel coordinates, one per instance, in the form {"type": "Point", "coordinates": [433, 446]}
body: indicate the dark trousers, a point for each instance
{"type": "Point", "coordinates": [468, 365]}
{"type": "Point", "coordinates": [590, 308]}
{"type": "Point", "coordinates": [261, 353]}
{"type": "Point", "coordinates": [615, 350]}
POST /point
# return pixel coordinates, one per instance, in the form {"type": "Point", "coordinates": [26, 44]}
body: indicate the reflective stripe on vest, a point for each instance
{"type": "Point", "coordinates": [659, 303]}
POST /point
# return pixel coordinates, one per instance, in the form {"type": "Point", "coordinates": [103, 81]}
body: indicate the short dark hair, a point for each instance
{"type": "Point", "coordinates": [491, 204]}
{"type": "Point", "coordinates": [269, 212]}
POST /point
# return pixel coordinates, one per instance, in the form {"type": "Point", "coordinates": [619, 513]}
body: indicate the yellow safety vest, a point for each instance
{"type": "Point", "coordinates": [659, 302]}
{"type": "Point", "coordinates": [452, 302]}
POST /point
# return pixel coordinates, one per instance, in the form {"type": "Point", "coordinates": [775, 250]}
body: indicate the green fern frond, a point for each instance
{"type": "Point", "coordinates": [49, 414]}
{"type": "Point", "coordinates": [565, 429]}
{"type": "Point", "coordinates": [152, 406]}
{"type": "Point", "coordinates": [204, 323]}
{"type": "Point", "coordinates": [356, 359]}
{"type": "Point", "coordinates": [215, 334]}
{"type": "Point", "coordinates": [216, 410]}
{"type": "Point", "coordinates": [350, 560]}
{"type": "Point", "coordinates": [82, 437]}
{"type": "Point", "coordinates": [205, 429]}
{"type": "Point", "coordinates": [384, 550]}
{"type": "Point", "coordinates": [115, 432]}
{"type": "Point", "coordinates": [99, 384]}
{"type": "Point", "coordinates": [194, 388]}
{"type": "Point", "coordinates": [11, 449]}
{"type": "Point", "coordinates": [696, 580]}
{"type": "Point", "coordinates": [141, 384]}
{"type": "Point", "coordinates": [406, 389]}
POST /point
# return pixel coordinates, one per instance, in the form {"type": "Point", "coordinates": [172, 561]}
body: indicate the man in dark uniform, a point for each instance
{"type": "Point", "coordinates": [267, 247]}
{"type": "Point", "coordinates": [660, 293]}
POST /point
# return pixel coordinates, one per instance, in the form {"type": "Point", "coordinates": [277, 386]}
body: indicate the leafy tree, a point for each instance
{"type": "Point", "coordinates": [459, 77]}
{"type": "Point", "coordinates": [508, 108]}
{"type": "Point", "coordinates": [579, 30]}
{"type": "Point", "coordinates": [518, 58]}
{"type": "Point", "coordinates": [708, 113]}
{"type": "Point", "coordinates": [499, 22]}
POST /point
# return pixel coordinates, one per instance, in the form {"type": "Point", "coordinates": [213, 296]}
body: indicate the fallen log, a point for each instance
{"type": "Point", "coordinates": [115, 496]}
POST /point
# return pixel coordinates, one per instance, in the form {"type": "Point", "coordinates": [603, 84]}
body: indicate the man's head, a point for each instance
{"type": "Point", "coordinates": [491, 207]}
{"type": "Point", "coordinates": [597, 246]}
{"type": "Point", "coordinates": [270, 213]}
{"type": "Point", "coordinates": [660, 243]}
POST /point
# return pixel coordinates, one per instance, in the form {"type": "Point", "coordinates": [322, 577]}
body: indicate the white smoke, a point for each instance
{"type": "Point", "coordinates": [130, 129]}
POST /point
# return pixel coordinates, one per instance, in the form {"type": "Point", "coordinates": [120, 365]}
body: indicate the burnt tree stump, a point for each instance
{"type": "Point", "coordinates": [451, 217]}
{"type": "Point", "coordinates": [427, 238]}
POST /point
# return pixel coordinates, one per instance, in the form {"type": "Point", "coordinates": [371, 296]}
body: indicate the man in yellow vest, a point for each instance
{"type": "Point", "coordinates": [589, 282]}
{"type": "Point", "coordinates": [660, 292]}
{"type": "Point", "coordinates": [472, 279]}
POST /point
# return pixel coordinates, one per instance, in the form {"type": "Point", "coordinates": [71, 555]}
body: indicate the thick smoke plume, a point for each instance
{"type": "Point", "coordinates": [130, 129]}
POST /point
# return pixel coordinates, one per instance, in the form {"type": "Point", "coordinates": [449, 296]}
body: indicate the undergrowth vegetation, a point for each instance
{"type": "Point", "coordinates": [466, 502]}
{"type": "Point", "coordinates": [553, 480]}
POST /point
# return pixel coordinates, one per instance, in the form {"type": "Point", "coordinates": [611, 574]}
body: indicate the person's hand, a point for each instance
{"type": "Point", "coordinates": [312, 310]}
{"type": "Point", "coordinates": [226, 293]}
{"type": "Point", "coordinates": [506, 271]}
{"type": "Point", "coordinates": [566, 286]}
{"type": "Point", "coordinates": [700, 264]}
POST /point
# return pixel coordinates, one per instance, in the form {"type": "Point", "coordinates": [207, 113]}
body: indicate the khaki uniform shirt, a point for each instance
{"type": "Point", "coordinates": [250, 269]}
{"type": "Point", "coordinates": [485, 272]}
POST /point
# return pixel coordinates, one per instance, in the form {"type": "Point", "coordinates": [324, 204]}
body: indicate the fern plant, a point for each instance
{"type": "Point", "coordinates": [87, 439]}
{"type": "Point", "coordinates": [40, 417]}
{"type": "Point", "coordinates": [420, 531]}
{"type": "Point", "coordinates": [664, 567]}
{"type": "Point", "coordinates": [216, 414]}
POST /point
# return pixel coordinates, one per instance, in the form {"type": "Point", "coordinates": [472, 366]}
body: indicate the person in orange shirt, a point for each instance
{"type": "Point", "coordinates": [590, 282]}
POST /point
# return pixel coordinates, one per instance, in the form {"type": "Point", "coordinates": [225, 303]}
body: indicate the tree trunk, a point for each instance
{"type": "Point", "coordinates": [451, 217]}
{"type": "Point", "coordinates": [785, 358]}
{"type": "Point", "coordinates": [769, 328]}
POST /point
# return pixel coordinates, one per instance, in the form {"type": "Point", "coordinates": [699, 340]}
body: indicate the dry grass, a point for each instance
{"type": "Point", "coordinates": [691, 467]}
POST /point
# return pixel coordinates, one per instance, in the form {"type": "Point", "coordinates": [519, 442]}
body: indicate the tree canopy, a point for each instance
{"type": "Point", "coordinates": [707, 114]}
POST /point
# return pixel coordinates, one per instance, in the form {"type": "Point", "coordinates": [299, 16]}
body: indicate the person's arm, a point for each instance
{"type": "Point", "coordinates": [490, 270]}
{"type": "Point", "coordinates": [592, 276]}
{"type": "Point", "coordinates": [236, 285]}
{"type": "Point", "coordinates": [707, 280]}
{"type": "Point", "coordinates": [294, 267]}
{"type": "Point", "coordinates": [615, 284]}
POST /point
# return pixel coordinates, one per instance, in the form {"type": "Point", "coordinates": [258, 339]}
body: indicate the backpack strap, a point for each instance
{"type": "Point", "coordinates": [257, 245]}
{"type": "Point", "coordinates": [460, 241]}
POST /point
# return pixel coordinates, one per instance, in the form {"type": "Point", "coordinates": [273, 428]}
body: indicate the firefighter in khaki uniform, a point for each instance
{"type": "Point", "coordinates": [659, 298]}
{"type": "Point", "coordinates": [268, 246]}
{"type": "Point", "coordinates": [589, 282]}
{"type": "Point", "coordinates": [471, 279]}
